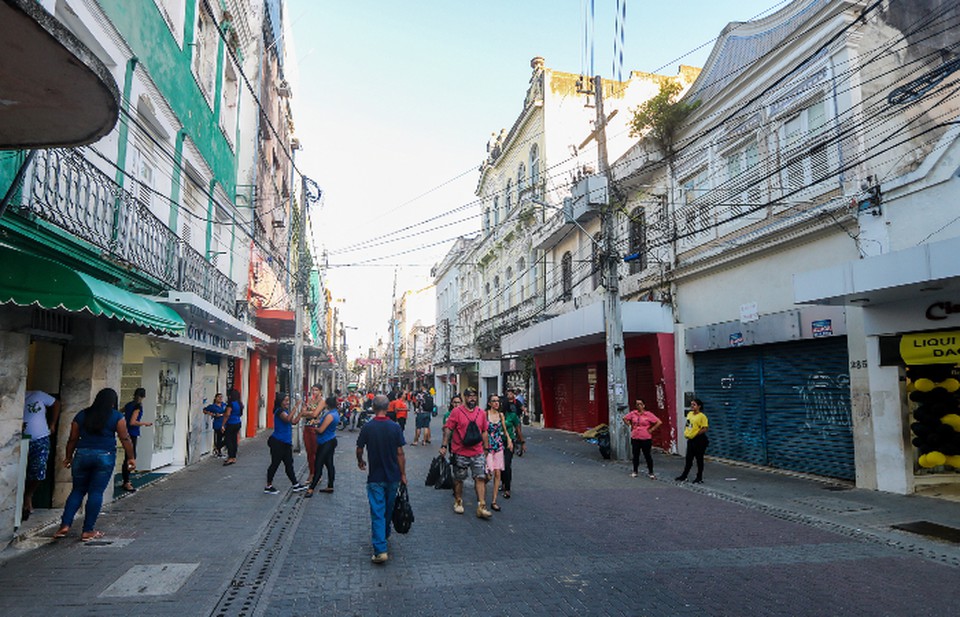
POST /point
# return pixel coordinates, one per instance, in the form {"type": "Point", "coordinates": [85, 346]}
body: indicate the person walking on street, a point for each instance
{"type": "Point", "coordinates": [455, 401]}
{"type": "Point", "coordinates": [399, 408]}
{"type": "Point", "coordinates": [231, 425]}
{"type": "Point", "coordinates": [91, 455]}
{"type": "Point", "coordinates": [500, 442]}
{"type": "Point", "coordinates": [642, 424]}
{"type": "Point", "coordinates": [281, 443]}
{"type": "Point", "coordinates": [314, 407]}
{"type": "Point", "coordinates": [216, 410]}
{"type": "Point", "coordinates": [513, 414]}
{"type": "Point", "coordinates": [326, 446]}
{"type": "Point", "coordinates": [695, 430]}
{"type": "Point", "coordinates": [384, 442]}
{"type": "Point", "coordinates": [133, 414]}
{"type": "Point", "coordinates": [39, 425]}
{"type": "Point", "coordinates": [424, 414]}
{"type": "Point", "coordinates": [468, 453]}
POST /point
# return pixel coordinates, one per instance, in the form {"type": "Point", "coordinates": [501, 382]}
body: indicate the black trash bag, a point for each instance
{"type": "Point", "coordinates": [402, 511]}
{"type": "Point", "coordinates": [603, 442]}
{"type": "Point", "coordinates": [434, 474]}
{"type": "Point", "coordinates": [445, 481]}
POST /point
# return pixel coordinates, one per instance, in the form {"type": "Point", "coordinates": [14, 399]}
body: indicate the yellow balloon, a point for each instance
{"type": "Point", "coordinates": [924, 384]}
{"type": "Point", "coordinates": [950, 385]}
{"type": "Point", "coordinates": [910, 387]}
{"type": "Point", "coordinates": [923, 461]}
{"type": "Point", "coordinates": [954, 461]}
{"type": "Point", "coordinates": [952, 420]}
{"type": "Point", "coordinates": [936, 458]}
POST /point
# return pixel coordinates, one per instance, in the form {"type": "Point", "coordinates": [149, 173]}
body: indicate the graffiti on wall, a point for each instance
{"type": "Point", "coordinates": [826, 403]}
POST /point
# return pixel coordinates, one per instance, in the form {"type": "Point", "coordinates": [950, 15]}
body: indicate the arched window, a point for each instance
{"type": "Point", "coordinates": [486, 218]}
{"type": "Point", "coordinates": [496, 210]}
{"type": "Point", "coordinates": [509, 289]}
{"type": "Point", "coordinates": [535, 169]}
{"type": "Point", "coordinates": [521, 179]}
{"type": "Point", "coordinates": [566, 276]}
{"type": "Point", "coordinates": [596, 260]}
{"type": "Point", "coordinates": [509, 198]}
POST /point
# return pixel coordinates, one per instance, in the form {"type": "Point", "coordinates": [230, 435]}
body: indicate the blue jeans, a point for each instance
{"type": "Point", "coordinates": [381, 496]}
{"type": "Point", "coordinates": [92, 472]}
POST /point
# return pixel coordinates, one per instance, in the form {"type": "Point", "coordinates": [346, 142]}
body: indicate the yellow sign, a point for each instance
{"type": "Point", "coordinates": [931, 348]}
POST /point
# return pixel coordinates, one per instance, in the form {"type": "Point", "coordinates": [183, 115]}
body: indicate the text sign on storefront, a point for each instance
{"type": "Point", "coordinates": [931, 348]}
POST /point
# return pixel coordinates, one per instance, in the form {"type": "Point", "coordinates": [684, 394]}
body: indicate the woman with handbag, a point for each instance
{"type": "Point", "coordinates": [499, 441]}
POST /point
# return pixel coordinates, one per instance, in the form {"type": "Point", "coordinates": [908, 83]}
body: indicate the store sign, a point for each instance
{"type": "Point", "coordinates": [941, 310]}
{"type": "Point", "coordinates": [198, 334]}
{"type": "Point", "coordinates": [821, 328]}
{"type": "Point", "coordinates": [736, 339]}
{"type": "Point", "coordinates": [931, 348]}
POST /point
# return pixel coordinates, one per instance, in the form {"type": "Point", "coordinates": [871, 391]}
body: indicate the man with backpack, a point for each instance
{"type": "Point", "coordinates": [466, 434]}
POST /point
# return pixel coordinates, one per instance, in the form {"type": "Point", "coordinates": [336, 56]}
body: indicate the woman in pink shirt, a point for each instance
{"type": "Point", "coordinates": [642, 423]}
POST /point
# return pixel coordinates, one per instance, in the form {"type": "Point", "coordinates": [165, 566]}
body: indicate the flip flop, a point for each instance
{"type": "Point", "coordinates": [96, 535]}
{"type": "Point", "coordinates": [61, 533]}
{"type": "Point", "coordinates": [495, 507]}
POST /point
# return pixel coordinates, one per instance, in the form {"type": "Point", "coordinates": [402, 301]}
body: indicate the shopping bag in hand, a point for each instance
{"type": "Point", "coordinates": [402, 511]}
{"type": "Point", "coordinates": [434, 474]}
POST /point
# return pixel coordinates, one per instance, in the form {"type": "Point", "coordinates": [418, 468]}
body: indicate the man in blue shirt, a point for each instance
{"type": "Point", "coordinates": [383, 439]}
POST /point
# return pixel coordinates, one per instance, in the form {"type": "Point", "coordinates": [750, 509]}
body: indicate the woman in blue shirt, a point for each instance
{"type": "Point", "coordinates": [326, 444]}
{"type": "Point", "coordinates": [91, 455]}
{"type": "Point", "coordinates": [281, 443]}
{"type": "Point", "coordinates": [231, 425]}
{"type": "Point", "coordinates": [216, 410]}
{"type": "Point", "coordinates": [133, 414]}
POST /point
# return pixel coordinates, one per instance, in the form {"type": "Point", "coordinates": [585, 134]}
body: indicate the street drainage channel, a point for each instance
{"type": "Point", "coordinates": [247, 586]}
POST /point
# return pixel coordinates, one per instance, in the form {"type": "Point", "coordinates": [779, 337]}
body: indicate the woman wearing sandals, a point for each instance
{"type": "Point", "coordinates": [499, 439]}
{"type": "Point", "coordinates": [91, 455]}
{"type": "Point", "coordinates": [326, 445]}
{"type": "Point", "coordinates": [642, 424]}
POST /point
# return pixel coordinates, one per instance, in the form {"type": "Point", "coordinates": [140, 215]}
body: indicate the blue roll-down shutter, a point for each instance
{"type": "Point", "coordinates": [785, 405]}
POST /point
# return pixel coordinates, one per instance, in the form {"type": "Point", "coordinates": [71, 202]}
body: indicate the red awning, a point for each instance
{"type": "Point", "coordinates": [278, 324]}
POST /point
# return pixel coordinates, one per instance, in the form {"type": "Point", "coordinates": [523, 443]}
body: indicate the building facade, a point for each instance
{"type": "Point", "coordinates": [144, 236]}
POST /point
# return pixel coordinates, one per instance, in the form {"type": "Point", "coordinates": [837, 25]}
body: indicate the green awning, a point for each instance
{"type": "Point", "coordinates": [27, 280]}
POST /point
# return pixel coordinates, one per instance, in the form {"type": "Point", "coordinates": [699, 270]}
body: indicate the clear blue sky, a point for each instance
{"type": "Point", "coordinates": [395, 98]}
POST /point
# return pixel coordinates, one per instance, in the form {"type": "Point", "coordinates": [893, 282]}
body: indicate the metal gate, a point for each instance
{"type": "Point", "coordinates": [785, 405]}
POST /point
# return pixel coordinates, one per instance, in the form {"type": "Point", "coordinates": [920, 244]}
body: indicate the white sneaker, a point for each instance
{"type": "Point", "coordinates": [296, 488]}
{"type": "Point", "coordinates": [458, 506]}
{"type": "Point", "coordinates": [379, 558]}
{"type": "Point", "coordinates": [633, 475]}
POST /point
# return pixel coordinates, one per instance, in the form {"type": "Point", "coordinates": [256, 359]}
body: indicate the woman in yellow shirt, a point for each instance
{"type": "Point", "coordinates": [695, 430]}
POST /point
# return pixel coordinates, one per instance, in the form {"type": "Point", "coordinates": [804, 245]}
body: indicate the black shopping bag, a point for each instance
{"type": "Point", "coordinates": [434, 474]}
{"type": "Point", "coordinates": [402, 511]}
{"type": "Point", "coordinates": [445, 481]}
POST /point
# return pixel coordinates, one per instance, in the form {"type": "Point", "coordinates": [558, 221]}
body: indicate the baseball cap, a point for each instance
{"type": "Point", "coordinates": [470, 391]}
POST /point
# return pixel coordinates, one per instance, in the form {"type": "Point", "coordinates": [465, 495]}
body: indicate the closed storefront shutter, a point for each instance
{"type": "Point", "coordinates": [729, 383]}
{"type": "Point", "coordinates": [785, 405]}
{"type": "Point", "coordinates": [807, 391]}
{"type": "Point", "coordinates": [574, 411]}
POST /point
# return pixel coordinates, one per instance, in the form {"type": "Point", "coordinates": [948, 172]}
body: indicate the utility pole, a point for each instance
{"type": "Point", "coordinates": [613, 316]}
{"type": "Point", "coordinates": [299, 299]}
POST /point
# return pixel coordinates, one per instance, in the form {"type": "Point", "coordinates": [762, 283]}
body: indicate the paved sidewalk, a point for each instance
{"type": "Point", "coordinates": [823, 503]}
{"type": "Point", "coordinates": [579, 537]}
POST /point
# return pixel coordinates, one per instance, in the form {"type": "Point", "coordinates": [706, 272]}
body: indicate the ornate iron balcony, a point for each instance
{"type": "Point", "coordinates": [68, 191]}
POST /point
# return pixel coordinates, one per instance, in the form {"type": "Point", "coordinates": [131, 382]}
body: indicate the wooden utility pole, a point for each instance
{"type": "Point", "coordinates": [613, 316]}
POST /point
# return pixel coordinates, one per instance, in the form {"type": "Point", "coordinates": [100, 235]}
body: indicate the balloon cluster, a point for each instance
{"type": "Point", "coordinates": [936, 428]}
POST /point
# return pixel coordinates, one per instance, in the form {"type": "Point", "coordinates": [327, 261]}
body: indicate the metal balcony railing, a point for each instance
{"type": "Point", "coordinates": [68, 191]}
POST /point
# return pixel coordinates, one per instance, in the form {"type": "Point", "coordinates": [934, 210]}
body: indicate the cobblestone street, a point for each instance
{"type": "Point", "coordinates": [578, 537]}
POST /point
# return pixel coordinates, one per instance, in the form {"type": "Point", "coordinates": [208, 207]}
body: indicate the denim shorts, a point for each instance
{"type": "Point", "coordinates": [37, 457]}
{"type": "Point", "coordinates": [476, 464]}
{"type": "Point", "coordinates": [423, 420]}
